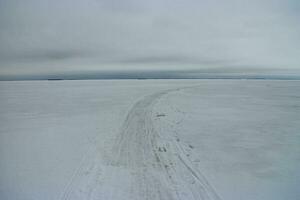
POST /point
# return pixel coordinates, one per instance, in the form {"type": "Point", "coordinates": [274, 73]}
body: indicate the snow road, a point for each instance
{"type": "Point", "coordinates": [161, 169]}
{"type": "Point", "coordinates": [156, 168]}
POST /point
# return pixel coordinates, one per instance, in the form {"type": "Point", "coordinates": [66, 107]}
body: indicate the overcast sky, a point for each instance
{"type": "Point", "coordinates": [63, 36]}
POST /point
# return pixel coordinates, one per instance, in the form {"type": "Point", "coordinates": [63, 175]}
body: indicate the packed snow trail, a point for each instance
{"type": "Point", "coordinates": [161, 169]}
{"type": "Point", "coordinates": [144, 165]}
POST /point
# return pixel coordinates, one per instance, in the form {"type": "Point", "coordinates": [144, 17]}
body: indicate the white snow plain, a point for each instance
{"type": "Point", "coordinates": [150, 139]}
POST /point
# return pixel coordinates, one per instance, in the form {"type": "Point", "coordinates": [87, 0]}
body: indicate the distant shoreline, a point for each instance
{"type": "Point", "coordinates": [164, 74]}
{"type": "Point", "coordinates": [216, 78]}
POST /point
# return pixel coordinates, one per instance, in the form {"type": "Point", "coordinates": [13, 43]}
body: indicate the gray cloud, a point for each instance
{"type": "Point", "coordinates": [174, 59]}
{"type": "Point", "coordinates": [46, 36]}
{"type": "Point", "coordinates": [43, 55]}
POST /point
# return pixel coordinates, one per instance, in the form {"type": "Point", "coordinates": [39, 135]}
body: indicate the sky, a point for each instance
{"type": "Point", "coordinates": [40, 37]}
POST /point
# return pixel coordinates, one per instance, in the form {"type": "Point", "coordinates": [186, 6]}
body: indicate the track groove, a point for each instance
{"type": "Point", "coordinates": [161, 169]}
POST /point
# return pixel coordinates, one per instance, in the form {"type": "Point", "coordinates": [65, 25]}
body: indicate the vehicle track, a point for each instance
{"type": "Point", "coordinates": [160, 168]}
{"type": "Point", "coordinates": [156, 165]}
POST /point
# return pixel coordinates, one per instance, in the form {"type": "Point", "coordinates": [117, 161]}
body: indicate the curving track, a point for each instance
{"type": "Point", "coordinates": [145, 165]}
{"type": "Point", "coordinates": [161, 169]}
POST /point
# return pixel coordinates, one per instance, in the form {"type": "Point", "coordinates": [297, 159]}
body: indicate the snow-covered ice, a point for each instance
{"type": "Point", "coordinates": [150, 139]}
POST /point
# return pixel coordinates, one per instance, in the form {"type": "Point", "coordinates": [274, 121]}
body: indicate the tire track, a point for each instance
{"type": "Point", "coordinates": [85, 178]}
{"type": "Point", "coordinates": [78, 171]}
{"type": "Point", "coordinates": [160, 168]}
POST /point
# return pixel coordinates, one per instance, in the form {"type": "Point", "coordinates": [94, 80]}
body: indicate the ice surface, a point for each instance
{"type": "Point", "coordinates": [150, 139]}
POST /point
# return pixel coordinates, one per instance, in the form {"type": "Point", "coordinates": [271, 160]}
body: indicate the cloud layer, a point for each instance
{"type": "Point", "coordinates": [61, 36]}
